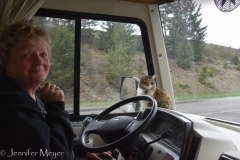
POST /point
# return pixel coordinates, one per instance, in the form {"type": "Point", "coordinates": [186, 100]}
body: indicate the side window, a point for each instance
{"type": "Point", "coordinates": [109, 50]}
{"type": "Point", "coordinates": [62, 52]}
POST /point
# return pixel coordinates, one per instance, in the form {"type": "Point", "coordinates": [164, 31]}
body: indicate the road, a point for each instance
{"type": "Point", "coordinates": [221, 108]}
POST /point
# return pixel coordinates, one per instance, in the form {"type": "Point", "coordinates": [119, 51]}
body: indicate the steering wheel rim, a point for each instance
{"type": "Point", "coordinates": [93, 127]}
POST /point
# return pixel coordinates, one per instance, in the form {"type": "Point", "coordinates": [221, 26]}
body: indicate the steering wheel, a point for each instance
{"type": "Point", "coordinates": [120, 130]}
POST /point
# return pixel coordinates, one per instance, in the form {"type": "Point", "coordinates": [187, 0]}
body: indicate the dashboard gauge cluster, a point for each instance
{"type": "Point", "coordinates": [159, 126]}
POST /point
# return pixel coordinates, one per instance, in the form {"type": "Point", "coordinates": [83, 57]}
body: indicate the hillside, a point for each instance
{"type": "Point", "coordinates": [187, 81]}
{"type": "Point", "coordinates": [224, 78]}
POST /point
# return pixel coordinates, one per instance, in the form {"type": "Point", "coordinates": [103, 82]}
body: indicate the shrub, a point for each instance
{"type": "Point", "coordinates": [225, 66]}
{"type": "Point", "coordinates": [238, 67]}
{"type": "Point", "coordinates": [205, 74]}
{"type": "Point", "coordinates": [235, 60]}
{"type": "Point", "coordinates": [183, 86]}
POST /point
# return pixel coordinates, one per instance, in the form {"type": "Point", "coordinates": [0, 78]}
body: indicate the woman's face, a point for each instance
{"type": "Point", "coordinates": [29, 62]}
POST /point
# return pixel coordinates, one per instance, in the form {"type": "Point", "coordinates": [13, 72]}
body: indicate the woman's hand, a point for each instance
{"type": "Point", "coordinates": [96, 156]}
{"type": "Point", "coordinates": [50, 93]}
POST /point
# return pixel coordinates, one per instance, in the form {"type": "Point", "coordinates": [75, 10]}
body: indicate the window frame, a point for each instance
{"type": "Point", "coordinates": [78, 16]}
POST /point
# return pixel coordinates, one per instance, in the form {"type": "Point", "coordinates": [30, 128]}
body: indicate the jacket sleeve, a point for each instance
{"type": "Point", "coordinates": [61, 132]}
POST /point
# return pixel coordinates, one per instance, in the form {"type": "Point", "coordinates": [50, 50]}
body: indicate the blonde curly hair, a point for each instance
{"type": "Point", "coordinates": [12, 33]}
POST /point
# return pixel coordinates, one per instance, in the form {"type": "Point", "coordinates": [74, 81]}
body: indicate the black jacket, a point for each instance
{"type": "Point", "coordinates": [26, 132]}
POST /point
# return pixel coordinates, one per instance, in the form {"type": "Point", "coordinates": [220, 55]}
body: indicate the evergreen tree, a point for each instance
{"type": "Point", "coordinates": [181, 21]}
{"type": "Point", "coordinates": [104, 42]}
{"type": "Point", "coordinates": [185, 55]}
{"type": "Point", "coordinates": [197, 33]}
{"type": "Point", "coordinates": [61, 71]}
{"type": "Point", "coordinates": [119, 59]}
{"type": "Point", "coordinates": [88, 30]}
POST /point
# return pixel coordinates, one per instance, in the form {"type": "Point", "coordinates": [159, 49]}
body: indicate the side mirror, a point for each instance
{"type": "Point", "coordinates": [128, 89]}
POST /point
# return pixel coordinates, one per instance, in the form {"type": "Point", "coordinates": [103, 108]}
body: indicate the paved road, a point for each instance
{"type": "Point", "coordinates": [221, 108]}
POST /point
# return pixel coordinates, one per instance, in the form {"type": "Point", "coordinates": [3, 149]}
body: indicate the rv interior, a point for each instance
{"type": "Point", "coordinates": [100, 49]}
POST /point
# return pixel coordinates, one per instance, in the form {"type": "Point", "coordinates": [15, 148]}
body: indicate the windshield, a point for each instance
{"type": "Point", "coordinates": [203, 49]}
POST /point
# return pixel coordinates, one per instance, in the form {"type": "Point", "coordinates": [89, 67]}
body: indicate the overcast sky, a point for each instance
{"type": "Point", "coordinates": [223, 28]}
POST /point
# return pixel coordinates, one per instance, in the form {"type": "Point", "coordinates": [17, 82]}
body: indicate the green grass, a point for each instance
{"type": "Point", "coordinates": [97, 103]}
{"type": "Point", "coordinates": [180, 97]}
{"type": "Point", "coordinates": [68, 105]}
{"type": "Point", "coordinates": [92, 104]}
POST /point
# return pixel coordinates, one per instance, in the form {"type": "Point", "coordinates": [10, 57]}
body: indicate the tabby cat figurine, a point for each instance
{"type": "Point", "coordinates": [147, 86]}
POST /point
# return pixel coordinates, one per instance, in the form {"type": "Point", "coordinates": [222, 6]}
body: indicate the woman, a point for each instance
{"type": "Point", "coordinates": [34, 124]}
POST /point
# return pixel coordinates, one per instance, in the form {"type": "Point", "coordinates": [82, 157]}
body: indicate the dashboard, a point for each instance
{"type": "Point", "coordinates": [161, 125]}
{"type": "Point", "coordinates": [192, 137]}
{"type": "Point", "coordinates": [177, 143]}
